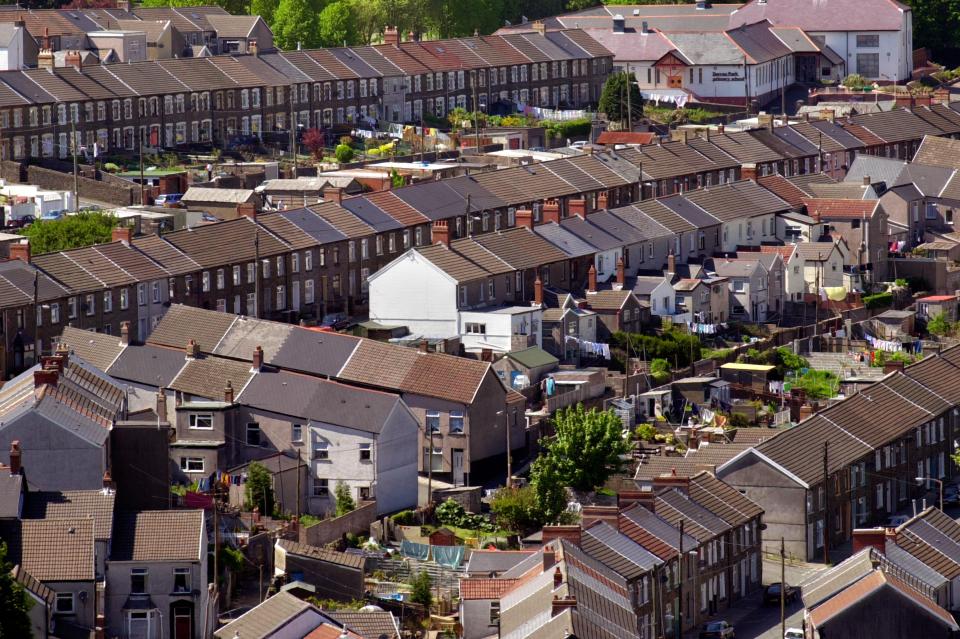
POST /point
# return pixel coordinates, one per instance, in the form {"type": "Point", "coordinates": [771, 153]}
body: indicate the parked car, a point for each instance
{"type": "Point", "coordinates": [579, 144]}
{"type": "Point", "coordinates": [167, 198]}
{"type": "Point", "coordinates": [21, 222]}
{"type": "Point", "coordinates": [336, 321]}
{"type": "Point", "coordinates": [717, 630]}
{"type": "Point", "coordinates": [52, 215]}
{"type": "Point", "coordinates": [896, 520]}
{"type": "Point", "coordinates": [771, 595]}
{"type": "Point", "coordinates": [793, 633]}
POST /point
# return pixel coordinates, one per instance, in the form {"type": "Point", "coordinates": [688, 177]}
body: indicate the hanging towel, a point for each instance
{"type": "Point", "coordinates": [414, 550]}
{"type": "Point", "coordinates": [448, 556]}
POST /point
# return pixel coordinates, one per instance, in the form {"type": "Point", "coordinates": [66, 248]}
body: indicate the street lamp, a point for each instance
{"type": "Point", "coordinates": [939, 482]}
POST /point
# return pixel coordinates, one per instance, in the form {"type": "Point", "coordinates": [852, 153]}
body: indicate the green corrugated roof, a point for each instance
{"type": "Point", "coordinates": [533, 357]}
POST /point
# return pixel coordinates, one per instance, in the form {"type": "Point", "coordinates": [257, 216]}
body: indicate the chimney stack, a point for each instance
{"type": "Point", "coordinates": [247, 209]}
{"type": "Point", "coordinates": [253, 48]}
{"type": "Point", "coordinates": [549, 558]}
{"type": "Point", "coordinates": [602, 200]}
{"type": "Point", "coordinates": [257, 358]}
{"type": "Point", "coordinates": [20, 251]}
{"type": "Point", "coordinates": [720, 129]}
{"type": "Point", "coordinates": [524, 217]}
{"type": "Point", "coordinates": [193, 349]}
{"type": "Point", "coordinates": [671, 263]}
{"type": "Point", "coordinates": [538, 291]}
{"type": "Point", "coordinates": [45, 376]}
{"type": "Point", "coordinates": [162, 403]}
{"type": "Point", "coordinates": [559, 605]}
{"type": "Point", "coordinates": [124, 333]}
{"type": "Point", "coordinates": [16, 457]}
{"type": "Point", "coordinates": [107, 480]}
{"type": "Point", "coordinates": [72, 59]}
{"type": "Point", "coordinates": [557, 578]}
{"type": "Point", "coordinates": [440, 233]}
{"type": "Point", "coordinates": [333, 194]}
{"type": "Point", "coordinates": [866, 180]}
{"type": "Point", "coordinates": [424, 345]}
{"type": "Point", "coordinates": [391, 36]}
{"type": "Point", "coordinates": [540, 27]}
{"type": "Point", "coordinates": [551, 211]}
{"type": "Point", "coordinates": [228, 393]}
{"type": "Point", "coordinates": [577, 207]}
{"type": "Point", "coordinates": [621, 272]}
{"type": "Point", "coordinates": [45, 59]}
{"type": "Point", "coordinates": [121, 234]}
{"type": "Point", "coordinates": [592, 279]}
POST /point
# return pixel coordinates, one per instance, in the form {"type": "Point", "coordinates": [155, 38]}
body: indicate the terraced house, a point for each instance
{"type": "Point", "coordinates": [169, 102]}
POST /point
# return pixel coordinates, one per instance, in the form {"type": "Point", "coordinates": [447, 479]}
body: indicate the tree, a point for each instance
{"type": "Point", "coordinates": [422, 590]}
{"type": "Point", "coordinates": [516, 508]}
{"type": "Point", "coordinates": [14, 603]}
{"type": "Point", "coordinates": [264, 8]}
{"type": "Point", "coordinates": [345, 503]}
{"type": "Point", "coordinates": [259, 490]}
{"type": "Point", "coordinates": [313, 140]}
{"type": "Point", "coordinates": [549, 489]}
{"type": "Point", "coordinates": [344, 153]}
{"type": "Point", "coordinates": [939, 325]}
{"type": "Point", "coordinates": [613, 98]}
{"type": "Point", "coordinates": [337, 25]}
{"type": "Point", "coordinates": [294, 22]}
{"type": "Point", "coordinates": [71, 231]}
{"type": "Point", "coordinates": [935, 24]}
{"type": "Point", "coordinates": [587, 446]}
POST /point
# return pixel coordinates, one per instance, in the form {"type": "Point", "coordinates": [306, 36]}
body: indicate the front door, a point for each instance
{"type": "Point", "coordinates": [457, 467]}
{"type": "Point", "coordinates": [296, 295]}
{"type": "Point", "coordinates": [182, 621]}
{"type": "Point", "coordinates": [675, 81]}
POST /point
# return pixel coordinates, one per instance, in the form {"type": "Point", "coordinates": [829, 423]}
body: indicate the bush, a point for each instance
{"type": "Point", "coordinates": [515, 508]}
{"type": "Point", "coordinates": [344, 499]}
{"type": "Point", "coordinates": [739, 420]}
{"type": "Point", "coordinates": [645, 432]}
{"type": "Point", "coordinates": [818, 384]}
{"type": "Point", "coordinates": [878, 300]}
{"type": "Point", "coordinates": [855, 81]}
{"type": "Point", "coordinates": [660, 371]}
{"type": "Point", "coordinates": [343, 153]}
{"type": "Point", "coordinates": [452, 513]}
{"type": "Point", "coordinates": [404, 518]}
{"type": "Point", "coordinates": [422, 590]}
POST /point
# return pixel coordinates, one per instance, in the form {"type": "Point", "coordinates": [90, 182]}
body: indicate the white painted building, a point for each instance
{"type": "Point", "coordinates": [18, 49]}
{"type": "Point", "coordinates": [415, 292]}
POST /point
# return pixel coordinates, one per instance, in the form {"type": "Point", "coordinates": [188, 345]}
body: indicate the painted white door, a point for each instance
{"type": "Point", "coordinates": [457, 467]}
{"type": "Point", "coordinates": [295, 294]}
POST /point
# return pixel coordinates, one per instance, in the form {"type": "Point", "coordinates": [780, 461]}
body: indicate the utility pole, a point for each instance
{"type": "Point", "coordinates": [826, 503]}
{"type": "Point", "coordinates": [783, 589]}
{"type": "Point", "coordinates": [216, 543]}
{"type": "Point", "coordinates": [256, 274]}
{"type": "Point", "coordinates": [298, 484]}
{"type": "Point", "coordinates": [476, 111]}
{"type": "Point", "coordinates": [430, 470]}
{"type": "Point", "coordinates": [680, 586]}
{"type": "Point", "coordinates": [293, 128]}
{"type": "Point", "coordinates": [142, 185]}
{"type": "Point", "coordinates": [629, 108]}
{"type": "Point", "coordinates": [76, 179]}
{"type": "Point", "coordinates": [509, 461]}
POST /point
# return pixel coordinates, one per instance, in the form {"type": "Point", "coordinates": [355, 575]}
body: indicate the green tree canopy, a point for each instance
{"type": "Point", "coordinates": [71, 231]}
{"type": "Point", "coordinates": [294, 21]}
{"type": "Point", "coordinates": [336, 24]}
{"type": "Point", "coordinates": [422, 592]}
{"type": "Point", "coordinates": [264, 8]}
{"type": "Point", "coordinates": [614, 98]}
{"type": "Point", "coordinates": [345, 503]}
{"type": "Point", "coordinates": [259, 489]}
{"type": "Point", "coordinates": [587, 446]}
{"type": "Point", "coordinates": [549, 489]}
{"type": "Point", "coordinates": [14, 603]}
{"type": "Point", "coordinates": [940, 325]}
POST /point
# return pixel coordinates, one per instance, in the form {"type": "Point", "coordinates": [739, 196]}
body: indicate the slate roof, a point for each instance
{"type": "Point", "coordinates": [11, 490]}
{"type": "Point", "coordinates": [148, 364]}
{"type": "Point", "coordinates": [158, 535]}
{"type": "Point", "coordinates": [809, 15]}
{"type": "Point", "coordinates": [347, 560]}
{"type": "Point", "coordinates": [627, 558]}
{"type": "Point", "coordinates": [74, 504]}
{"type": "Point", "coordinates": [320, 400]}
{"type": "Point", "coordinates": [99, 349]}
{"type": "Point", "coordinates": [484, 562]}
{"type": "Point", "coordinates": [265, 618]}
{"type": "Point", "coordinates": [533, 357]}
{"type": "Point", "coordinates": [207, 377]}
{"type": "Point", "coordinates": [674, 507]}
{"type": "Point", "coordinates": [652, 532]}
{"type": "Point", "coordinates": [860, 592]}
